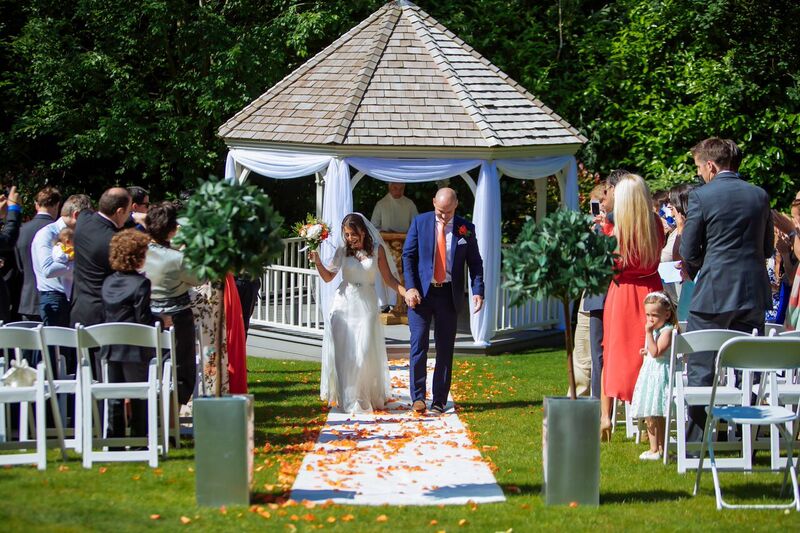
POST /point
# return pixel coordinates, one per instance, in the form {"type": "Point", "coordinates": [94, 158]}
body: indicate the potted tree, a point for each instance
{"type": "Point", "coordinates": [226, 228]}
{"type": "Point", "coordinates": [561, 258]}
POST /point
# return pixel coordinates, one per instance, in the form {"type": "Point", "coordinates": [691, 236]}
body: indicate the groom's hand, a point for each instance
{"type": "Point", "coordinates": [477, 303]}
{"type": "Point", "coordinates": [413, 298]}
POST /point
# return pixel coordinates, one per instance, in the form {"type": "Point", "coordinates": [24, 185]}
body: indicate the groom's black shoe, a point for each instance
{"type": "Point", "coordinates": [438, 409]}
{"type": "Point", "coordinates": [418, 406]}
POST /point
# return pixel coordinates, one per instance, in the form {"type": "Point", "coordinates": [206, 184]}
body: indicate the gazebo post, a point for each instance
{"type": "Point", "coordinates": [320, 182]}
{"type": "Point", "coordinates": [541, 198]}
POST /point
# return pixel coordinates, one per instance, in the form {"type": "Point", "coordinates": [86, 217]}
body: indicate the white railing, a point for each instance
{"type": "Point", "coordinates": [290, 299]}
{"type": "Point", "coordinates": [532, 314]}
{"type": "Point", "coordinates": [290, 293]}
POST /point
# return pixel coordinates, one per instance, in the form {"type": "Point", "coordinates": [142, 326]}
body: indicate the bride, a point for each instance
{"type": "Point", "coordinates": [355, 371]}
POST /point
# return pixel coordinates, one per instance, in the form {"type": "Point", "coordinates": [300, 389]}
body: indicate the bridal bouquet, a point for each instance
{"type": "Point", "coordinates": [313, 231]}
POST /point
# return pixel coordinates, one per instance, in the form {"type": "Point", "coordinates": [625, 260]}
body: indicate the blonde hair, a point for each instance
{"type": "Point", "coordinates": [662, 299]}
{"type": "Point", "coordinates": [634, 223]}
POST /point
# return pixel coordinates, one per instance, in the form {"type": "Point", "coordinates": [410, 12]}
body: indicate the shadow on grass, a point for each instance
{"type": "Point", "coordinates": [657, 495]}
{"type": "Point", "coordinates": [517, 490]}
{"type": "Point", "coordinates": [476, 407]}
{"type": "Point", "coordinates": [255, 371]}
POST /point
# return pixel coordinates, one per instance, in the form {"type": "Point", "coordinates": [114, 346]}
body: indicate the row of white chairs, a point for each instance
{"type": "Point", "coordinates": [88, 434]}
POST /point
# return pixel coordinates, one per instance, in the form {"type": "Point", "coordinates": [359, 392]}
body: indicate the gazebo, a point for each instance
{"type": "Point", "coordinates": [401, 98]}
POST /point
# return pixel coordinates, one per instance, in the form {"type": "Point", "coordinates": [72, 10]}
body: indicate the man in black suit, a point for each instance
{"type": "Point", "coordinates": [11, 212]}
{"type": "Point", "coordinates": [47, 203]}
{"type": "Point", "coordinates": [726, 240]}
{"type": "Point", "coordinates": [93, 234]}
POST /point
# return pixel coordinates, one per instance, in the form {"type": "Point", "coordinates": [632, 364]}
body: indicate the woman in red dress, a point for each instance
{"type": "Point", "coordinates": [640, 238]}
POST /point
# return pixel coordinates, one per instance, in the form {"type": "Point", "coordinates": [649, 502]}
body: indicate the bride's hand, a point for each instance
{"type": "Point", "coordinates": [313, 256]}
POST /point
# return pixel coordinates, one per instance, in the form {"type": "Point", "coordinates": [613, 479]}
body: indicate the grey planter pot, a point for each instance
{"type": "Point", "coordinates": [223, 449]}
{"type": "Point", "coordinates": [571, 451]}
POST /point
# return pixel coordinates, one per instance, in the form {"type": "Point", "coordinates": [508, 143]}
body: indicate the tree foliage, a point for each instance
{"type": "Point", "coordinates": [558, 257]}
{"type": "Point", "coordinates": [98, 93]}
{"type": "Point", "coordinates": [229, 228]}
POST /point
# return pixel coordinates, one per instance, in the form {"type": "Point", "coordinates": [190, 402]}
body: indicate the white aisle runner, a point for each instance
{"type": "Point", "coordinates": [396, 457]}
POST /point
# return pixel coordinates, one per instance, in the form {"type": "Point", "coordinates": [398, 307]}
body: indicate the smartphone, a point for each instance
{"type": "Point", "coordinates": [595, 206]}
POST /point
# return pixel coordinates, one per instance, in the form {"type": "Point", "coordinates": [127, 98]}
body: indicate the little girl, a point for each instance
{"type": "Point", "coordinates": [650, 394]}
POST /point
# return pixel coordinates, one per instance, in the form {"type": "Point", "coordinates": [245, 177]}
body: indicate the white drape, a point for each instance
{"type": "Point", "coordinates": [486, 218]}
{"type": "Point", "coordinates": [412, 170]}
{"type": "Point", "coordinates": [338, 200]}
{"type": "Point", "coordinates": [275, 164]}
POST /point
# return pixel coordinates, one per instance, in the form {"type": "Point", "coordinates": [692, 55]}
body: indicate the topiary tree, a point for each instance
{"type": "Point", "coordinates": [559, 257]}
{"type": "Point", "coordinates": [228, 228]}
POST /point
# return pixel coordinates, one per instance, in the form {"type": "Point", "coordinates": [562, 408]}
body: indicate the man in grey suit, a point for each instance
{"type": "Point", "coordinates": [726, 240]}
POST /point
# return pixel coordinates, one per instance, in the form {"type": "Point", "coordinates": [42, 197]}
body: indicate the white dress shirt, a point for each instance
{"type": "Point", "coordinates": [448, 239]}
{"type": "Point", "coordinates": [50, 275]}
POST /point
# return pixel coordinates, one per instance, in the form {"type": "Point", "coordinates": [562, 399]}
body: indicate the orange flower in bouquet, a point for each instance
{"type": "Point", "coordinates": [313, 232]}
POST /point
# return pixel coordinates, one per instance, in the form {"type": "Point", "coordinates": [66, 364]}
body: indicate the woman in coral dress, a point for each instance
{"type": "Point", "coordinates": [640, 238]}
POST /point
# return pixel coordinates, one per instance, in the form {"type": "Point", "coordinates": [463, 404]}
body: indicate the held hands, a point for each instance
{"type": "Point", "coordinates": [412, 298]}
{"type": "Point", "coordinates": [643, 352]}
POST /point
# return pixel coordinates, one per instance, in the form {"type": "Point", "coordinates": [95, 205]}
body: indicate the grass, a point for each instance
{"type": "Point", "coordinates": [500, 399]}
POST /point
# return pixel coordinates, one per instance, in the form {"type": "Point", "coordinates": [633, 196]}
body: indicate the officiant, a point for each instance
{"type": "Point", "coordinates": [393, 213]}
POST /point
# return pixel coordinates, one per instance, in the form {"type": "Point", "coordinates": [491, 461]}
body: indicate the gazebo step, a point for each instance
{"type": "Point", "coordinates": [274, 343]}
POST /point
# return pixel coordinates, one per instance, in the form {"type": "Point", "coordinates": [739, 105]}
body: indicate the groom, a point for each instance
{"type": "Point", "coordinates": [438, 246]}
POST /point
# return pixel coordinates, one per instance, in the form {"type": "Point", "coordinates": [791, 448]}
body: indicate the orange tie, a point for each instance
{"type": "Point", "coordinates": [440, 259]}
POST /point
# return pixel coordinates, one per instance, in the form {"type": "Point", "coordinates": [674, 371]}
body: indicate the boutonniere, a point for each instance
{"type": "Point", "coordinates": [463, 231]}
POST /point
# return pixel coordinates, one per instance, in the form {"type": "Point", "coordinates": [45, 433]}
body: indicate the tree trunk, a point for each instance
{"type": "Point", "coordinates": [569, 346]}
{"type": "Point", "coordinates": [220, 325]}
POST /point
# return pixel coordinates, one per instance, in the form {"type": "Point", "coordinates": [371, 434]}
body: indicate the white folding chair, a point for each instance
{"type": "Point", "coordinates": [755, 354]}
{"type": "Point", "coordinates": [111, 334]}
{"type": "Point", "coordinates": [66, 384]}
{"type": "Point", "coordinates": [632, 426]}
{"type": "Point", "coordinates": [680, 396]}
{"type": "Point", "coordinates": [787, 394]}
{"type": "Point", "coordinates": [773, 329]}
{"type": "Point", "coordinates": [17, 339]}
{"type": "Point", "coordinates": [170, 421]}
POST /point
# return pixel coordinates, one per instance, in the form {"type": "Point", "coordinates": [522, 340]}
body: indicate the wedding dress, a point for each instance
{"type": "Point", "coordinates": [355, 371]}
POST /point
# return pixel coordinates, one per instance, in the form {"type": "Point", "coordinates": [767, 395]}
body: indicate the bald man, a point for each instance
{"type": "Point", "coordinates": [438, 248]}
{"type": "Point", "coordinates": [93, 233]}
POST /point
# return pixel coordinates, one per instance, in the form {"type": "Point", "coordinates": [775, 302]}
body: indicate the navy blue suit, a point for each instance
{"type": "Point", "coordinates": [439, 303]}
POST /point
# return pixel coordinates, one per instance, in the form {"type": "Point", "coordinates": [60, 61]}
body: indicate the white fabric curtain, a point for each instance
{"type": "Point", "coordinates": [275, 164]}
{"type": "Point", "coordinates": [487, 220]}
{"type": "Point", "coordinates": [412, 170]}
{"type": "Point", "coordinates": [338, 200]}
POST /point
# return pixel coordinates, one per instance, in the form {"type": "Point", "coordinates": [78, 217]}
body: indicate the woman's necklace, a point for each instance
{"type": "Point", "coordinates": [360, 254]}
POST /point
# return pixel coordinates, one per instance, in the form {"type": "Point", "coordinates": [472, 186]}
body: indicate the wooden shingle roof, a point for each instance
{"type": "Point", "coordinates": [399, 79]}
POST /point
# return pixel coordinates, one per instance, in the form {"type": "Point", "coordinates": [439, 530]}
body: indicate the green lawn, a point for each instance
{"type": "Point", "coordinates": [500, 400]}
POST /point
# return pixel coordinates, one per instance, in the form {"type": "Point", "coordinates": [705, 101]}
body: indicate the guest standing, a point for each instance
{"type": "Point", "coordinates": [93, 233]}
{"type": "Point", "coordinates": [171, 280]}
{"type": "Point", "coordinates": [11, 212]}
{"type": "Point", "coordinates": [46, 203]}
{"type": "Point", "coordinates": [726, 240]}
{"type": "Point", "coordinates": [126, 298]}
{"type": "Point", "coordinates": [53, 277]}
{"type": "Point", "coordinates": [650, 394]}
{"type": "Point", "coordinates": [594, 303]}
{"type": "Point", "coordinates": [640, 238]}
